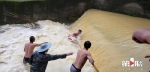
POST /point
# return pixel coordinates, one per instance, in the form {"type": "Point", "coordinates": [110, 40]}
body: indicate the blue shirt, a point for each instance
{"type": "Point", "coordinates": [39, 61]}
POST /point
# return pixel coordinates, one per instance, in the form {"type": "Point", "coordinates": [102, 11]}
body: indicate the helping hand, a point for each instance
{"type": "Point", "coordinates": [147, 56]}
{"type": "Point", "coordinates": [68, 54]}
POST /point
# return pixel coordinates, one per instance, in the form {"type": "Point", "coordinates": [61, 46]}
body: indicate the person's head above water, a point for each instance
{"type": "Point", "coordinates": [79, 31]}
{"type": "Point", "coordinates": [87, 45]}
{"type": "Point", "coordinates": [32, 39]}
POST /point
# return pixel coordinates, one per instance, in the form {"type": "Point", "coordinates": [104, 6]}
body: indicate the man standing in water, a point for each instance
{"type": "Point", "coordinates": [40, 58]}
{"type": "Point", "coordinates": [28, 49]}
{"type": "Point", "coordinates": [82, 57]}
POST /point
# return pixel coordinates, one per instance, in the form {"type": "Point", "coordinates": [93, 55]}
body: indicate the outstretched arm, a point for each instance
{"type": "Point", "coordinates": [147, 56]}
{"type": "Point", "coordinates": [40, 44]}
{"type": "Point", "coordinates": [54, 57]}
{"type": "Point", "coordinates": [90, 59]}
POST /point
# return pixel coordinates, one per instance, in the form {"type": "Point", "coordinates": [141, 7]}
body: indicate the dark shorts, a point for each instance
{"type": "Point", "coordinates": [74, 69]}
{"type": "Point", "coordinates": [26, 60]}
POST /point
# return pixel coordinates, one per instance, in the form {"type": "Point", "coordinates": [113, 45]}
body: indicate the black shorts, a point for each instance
{"type": "Point", "coordinates": [26, 60]}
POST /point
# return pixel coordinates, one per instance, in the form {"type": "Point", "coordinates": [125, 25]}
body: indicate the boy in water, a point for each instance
{"type": "Point", "coordinates": [74, 35]}
{"type": "Point", "coordinates": [28, 49]}
{"type": "Point", "coordinates": [81, 58]}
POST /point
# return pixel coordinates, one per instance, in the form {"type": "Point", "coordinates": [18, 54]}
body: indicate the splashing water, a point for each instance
{"type": "Point", "coordinates": [14, 36]}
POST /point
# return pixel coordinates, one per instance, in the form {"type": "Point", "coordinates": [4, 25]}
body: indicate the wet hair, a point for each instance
{"type": "Point", "coordinates": [32, 39]}
{"type": "Point", "coordinates": [80, 30]}
{"type": "Point", "coordinates": [87, 44]}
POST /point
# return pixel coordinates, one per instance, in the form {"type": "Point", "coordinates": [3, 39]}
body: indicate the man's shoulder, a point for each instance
{"type": "Point", "coordinates": [32, 44]}
{"type": "Point", "coordinates": [88, 53]}
{"type": "Point", "coordinates": [26, 43]}
{"type": "Point", "coordinates": [84, 51]}
{"type": "Point", "coordinates": [29, 43]}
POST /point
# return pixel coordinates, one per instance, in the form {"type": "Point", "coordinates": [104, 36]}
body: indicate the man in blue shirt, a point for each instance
{"type": "Point", "coordinates": [40, 58]}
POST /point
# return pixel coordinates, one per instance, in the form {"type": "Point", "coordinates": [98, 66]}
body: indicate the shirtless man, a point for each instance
{"type": "Point", "coordinates": [74, 35]}
{"type": "Point", "coordinates": [28, 49]}
{"type": "Point", "coordinates": [82, 57]}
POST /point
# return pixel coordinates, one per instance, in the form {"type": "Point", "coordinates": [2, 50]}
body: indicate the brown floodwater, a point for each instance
{"type": "Point", "coordinates": [111, 37]}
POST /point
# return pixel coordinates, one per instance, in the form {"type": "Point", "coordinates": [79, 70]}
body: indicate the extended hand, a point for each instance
{"type": "Point", "coordinates": [147, 56]}
{"type": "Point", "coordinates": [68, 54]}
{"type": "Point", "coordinates": [45, 42]}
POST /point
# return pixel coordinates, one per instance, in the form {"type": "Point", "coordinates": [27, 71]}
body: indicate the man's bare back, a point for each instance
{"type": "Point", "coordinates": [29, 47]}
{"type": "Point", "coordinates": [82, 57]}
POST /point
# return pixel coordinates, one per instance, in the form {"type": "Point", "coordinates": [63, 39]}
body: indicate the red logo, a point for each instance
{"type": "Point", "coordinates": [131, 63]}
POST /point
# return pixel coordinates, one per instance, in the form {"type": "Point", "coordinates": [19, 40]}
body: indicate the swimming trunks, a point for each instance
{"type": "Point", "coordinates": [26, 60]}
{"type": "Point", "coordinates": [74, 69]}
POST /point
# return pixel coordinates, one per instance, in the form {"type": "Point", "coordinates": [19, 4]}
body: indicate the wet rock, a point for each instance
{"type": "Point", "coordinates": [133, 7]}
{"type": "Point", "coordinates": [138, 8]}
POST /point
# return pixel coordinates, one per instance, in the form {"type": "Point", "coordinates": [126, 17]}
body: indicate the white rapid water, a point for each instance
{"type": "Point", "coordinates": [16, 35]}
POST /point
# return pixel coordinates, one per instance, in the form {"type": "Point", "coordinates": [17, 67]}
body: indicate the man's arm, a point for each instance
{"type": "Point", "coordinates": [90, 58]}
{"type": "Point", "coordinates": [39, 44]}
{"type": "Point", "coordinates": [54, 57]}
